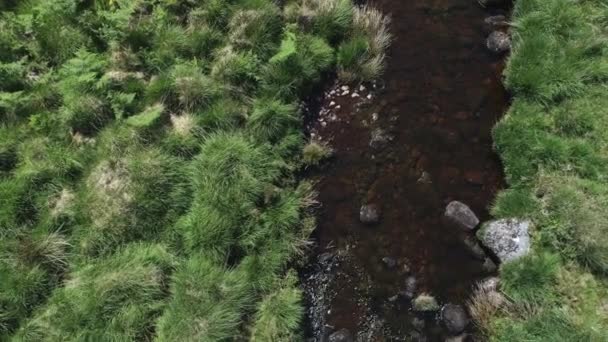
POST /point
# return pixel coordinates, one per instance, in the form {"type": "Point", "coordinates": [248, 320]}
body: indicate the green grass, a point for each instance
{"type": "Point", "coordinates": [553, 145]}
{"type": "Point", "coordinates": [148, 160]}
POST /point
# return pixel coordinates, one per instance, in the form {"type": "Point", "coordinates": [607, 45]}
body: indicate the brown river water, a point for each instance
{"type": "Point", "coordinates": [431, 116]}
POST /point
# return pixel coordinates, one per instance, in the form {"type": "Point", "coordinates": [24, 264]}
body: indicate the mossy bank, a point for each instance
{"type": "Point", "coordinates": [147, 158]}
{"type": "Point", "coordinates": [553, 145]}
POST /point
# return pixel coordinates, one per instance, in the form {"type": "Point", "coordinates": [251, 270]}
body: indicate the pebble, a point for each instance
{"type": "Point", "coordinates": [369, 96]}
{"type": "Point", "coordinates": [323, 123]}
{"type": "Point", "coordinates": [332, 103]}
{"type": "Point", "coordinates": [354, 95]}
{"type": "Point", "coordinates": [338, 107]}
{"type": "Point", "coordinates": [362, 88]}
{"type": "Point", "coordinates": [344, 93]}
{"type": "Point", "coordinates": [344, 88]}
{"type": "Point", "coordinates": [374, 116]}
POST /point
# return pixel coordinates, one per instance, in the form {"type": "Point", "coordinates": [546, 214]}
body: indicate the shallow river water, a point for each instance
{"type": "Point", "coordinates": [421, 139]}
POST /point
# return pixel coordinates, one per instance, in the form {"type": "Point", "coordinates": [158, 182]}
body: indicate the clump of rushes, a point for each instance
{"type": "Point", "coordinates": [116, 298]}
{"type": "Point", "coordinates": [207, 302]}
{"type": "Point", "coordinates": [271, 120]}
{"type": "Point", "coordinates": [315, 152]}
{"type": "Point", "coordinates": [330, 19]}
{"type": "Point", "coordinates": [129, 199]}
{"type": "Point", "coordinates": [279, 314]}
{"type": "Point", "coordinates": [361, 57]}
{"type": "Point", "coordinates": [192, 87]}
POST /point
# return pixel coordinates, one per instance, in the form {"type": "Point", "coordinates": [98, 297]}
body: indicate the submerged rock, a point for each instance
{"type": "Point", "coordinates": [410, 287]}
{"type": "Point", "coordinates": [474, 248]}
{"type": "Point", "coordinates": [459, 338]}
{"type": "Point", "coordinates": [342, 335]}
{"type": "Point", "coordinates": [425, 302]}
{"type": "Point", "coordinates": [496, 20]}
{"type": "Point", "coordinates": [454, 318]}
{"type": "Point", "coordinates": [389, 262]}
{"type": "Point", "coordinates": [462, 215]}
{"type": "Point", "coordinates": [418, 324]}
{"type": "Point", "coordinates": [489, 266]}
{"type": "Point", "coordinates": [509, 239]}
{"type": "Point", "coordinates": [498, 42]}
{"type": "Point", "coordinates": [490, 3]}
{"type": "Point", "coordinates": [379, 138]}
{"type": "Point", "coordinates": [369, 214]}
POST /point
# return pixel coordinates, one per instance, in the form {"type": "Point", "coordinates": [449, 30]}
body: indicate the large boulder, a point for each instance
{"type": "Point", "coordinates": [498, 42]}
{"type": "Point", "coordinates": [454, 318]}
{"type": "Point", "coordinates": [462, 215]}
{"type": "Point", "coordinates": [509, 239]}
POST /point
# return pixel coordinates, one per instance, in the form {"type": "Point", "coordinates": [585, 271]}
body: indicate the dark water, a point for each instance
{"type": "Point", "coordinates": [439, 99]}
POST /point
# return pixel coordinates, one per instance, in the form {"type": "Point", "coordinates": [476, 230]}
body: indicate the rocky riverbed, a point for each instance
{"type": "Point", "coordinates": [412, 176]}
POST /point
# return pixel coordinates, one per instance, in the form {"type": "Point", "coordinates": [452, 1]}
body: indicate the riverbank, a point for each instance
{"type": "Point", "coordinates": [148, 160]}
{"type": "Point", "coordinates": [553, 144]}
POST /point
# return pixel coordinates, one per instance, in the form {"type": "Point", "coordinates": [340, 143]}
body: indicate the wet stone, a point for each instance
{"type": "Point", "coordinates": [425, 303]}
{"type": "Point", "coordinates": [489, 266]}
{"type": "Point", "coordinates": [410, 287]}
{"type": "Point", "coordinates": [462, 215]}
{"type": "Point", "coordinates": [369, 214]}
{"type": "Point", "coordinates": [459, 338]}
{"type": "Point", "coordinates": [418, 324]}
{"type": "Point", "coordinates": [455, 318]}
{"type": "Point", "coordinates": [389, 262]}
{"type": "Point", "coordinates": [379, 138]}
{"type": "Point", "coordinates": [342, 335]}
{"type": "Point", "coordinates": [474, 248]}
{"type": "Point", "coordinates": [498, 42]}
{"type": "Point", "coordinates": [492, 3]}
{"type": "Point", "coordinates": [496, 20]}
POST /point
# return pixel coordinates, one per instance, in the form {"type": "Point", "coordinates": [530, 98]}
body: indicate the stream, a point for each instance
{"type": "Point", "coordinates": [407, 146]}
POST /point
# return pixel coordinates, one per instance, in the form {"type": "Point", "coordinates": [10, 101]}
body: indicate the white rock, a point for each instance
{"type": "Point", "coordinates": [369, 96]}
{"type": "Point", "coordinates": [344, 88]}
{"type": "Point", "coordinates": [354, 95]}
{"type": "Point", "coordinates": [509, 239]}
{"type": "Point", "coordinates": [362, 88]}
{"type": "Point", "coordinates": [332, 103]}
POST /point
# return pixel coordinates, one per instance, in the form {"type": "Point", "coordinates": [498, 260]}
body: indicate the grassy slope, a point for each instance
{"type": "Point", "coordinates": [147, 153]}
{"type": "Point", "coordinates": [553, 143]}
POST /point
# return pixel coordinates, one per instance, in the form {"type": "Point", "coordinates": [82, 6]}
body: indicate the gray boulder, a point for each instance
{"type": "Point", "coordinates": [509, 239]}
{"type": "Point", "coordinates": [369, 214]}
{"type": "Point", "coordinates": [462, 215]}
{"type": "Point", "coordinates": [454, 318]}
{"type": "Point", "coordinates": [498, 42]}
